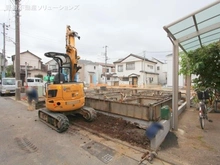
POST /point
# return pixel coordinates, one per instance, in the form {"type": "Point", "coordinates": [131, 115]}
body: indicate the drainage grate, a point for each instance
{"type": "Point", "coordinates": [102, 152]}
{"type": "Point", "coordinates": [7, 98]}
{"type": "Point", "coordinates": [26, 145]}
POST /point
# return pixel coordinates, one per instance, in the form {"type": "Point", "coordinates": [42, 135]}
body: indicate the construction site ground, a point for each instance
{"type": "Point", "coordinates": [189, 145]}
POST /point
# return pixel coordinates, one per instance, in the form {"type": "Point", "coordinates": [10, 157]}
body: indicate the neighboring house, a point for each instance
{"type": "Point", "coordinates": [105, 72]}
{"type": "Point", "coordinates": [182, 79]}
{"type": "Point", "coordinates": [89, 72]}
{"type": "Point", "coordinates": [170, 72]}
{"type": "Point", "coordinates": [52, 66]}
{"type": "Point", "coordinates": [135, 70]}
{"type": "Point", "coordinates": [161, 69]}
{"type": "Point", "coordinates": [32, 62]}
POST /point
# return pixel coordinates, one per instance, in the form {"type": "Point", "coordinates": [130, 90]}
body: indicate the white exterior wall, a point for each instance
{"type": "Point", "coordinates": [52, 65]}
{"type": "Point", "coordinates": [33, 73]}
{"type": "Point", "coordinates": [170, 73]}
{"type": "Point", "coordinates": [148, 76]}
{"type": "Point", "coordinates": [88, 70]}
{"type": "Point", "coordinates": [125, 73]}
{"type": "Point", "coordinates": [31, 61]}
{"type": "Point", "coordinates": [164, 73]}
{"type": "Point", "coordinates": [101, 80]}
{"type": "Point", "coordinates": [138, 67]}
{"type": "Point", "coordinates": [162, 78]}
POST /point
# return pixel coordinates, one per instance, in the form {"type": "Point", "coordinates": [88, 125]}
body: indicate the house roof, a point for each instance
{"type": "Point", "coordinates": [149, 72]}
{"type": "Point", "coordinates": [86, 62]}
{"type": "Point", "coordinates": [139, 57]}
{"type": "Point", "coordinates": [169, 55]}
{"type": "Point", "coordinates": [133, 75]}
{"type": "Point", "coordinates": [27, 52]}
{"type": "Point", "coordinates": [49, 61]}
{"type": "Point", "coordinates": [158, 60]}
{"type": "Point", "coordinates": [103, 64]}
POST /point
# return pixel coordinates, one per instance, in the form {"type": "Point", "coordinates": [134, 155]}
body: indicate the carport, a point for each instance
{"type": "Point", "coordinates": [189, 33]}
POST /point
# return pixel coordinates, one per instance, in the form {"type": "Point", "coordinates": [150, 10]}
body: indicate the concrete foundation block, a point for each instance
{"type": "Point", "coordinates": [159, 138]}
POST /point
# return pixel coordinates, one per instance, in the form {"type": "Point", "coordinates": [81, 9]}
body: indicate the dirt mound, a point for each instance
{"type": "Point", "coordinates": [115, 128]}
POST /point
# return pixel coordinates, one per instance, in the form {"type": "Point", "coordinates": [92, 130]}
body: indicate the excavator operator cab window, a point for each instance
{"type": "Point", "coordinates": [59, 78]}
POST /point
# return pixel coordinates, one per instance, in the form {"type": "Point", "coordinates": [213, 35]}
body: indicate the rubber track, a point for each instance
{"type": "Point", "coordinates": [61, 119]}
{"type": "Point", "coordinates": [92, 113]}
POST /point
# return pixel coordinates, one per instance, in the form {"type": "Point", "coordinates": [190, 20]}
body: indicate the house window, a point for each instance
{"type": "Point", "coordinates": [120, 68]}
{"type": "Point", "coordinates": [125, 79]}
{"type": "Point", "coordinates": [158, 68]}
{"type": "Point", "coordinates": [107, 70]}
{"type": "Point", "coordinates": [150, 66]}
{"type": "Point", "coordinates": [130, 66]}
{"type": "Point", "coordinates": [94, 67]}
{"type": "Point", "coordinates": [108, 78]}
{"type": "Point", "coordinates": [51, 67]}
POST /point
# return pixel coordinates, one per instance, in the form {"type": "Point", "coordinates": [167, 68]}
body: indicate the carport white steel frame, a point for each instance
{"type": "Point", "coordinates": [189, 33]}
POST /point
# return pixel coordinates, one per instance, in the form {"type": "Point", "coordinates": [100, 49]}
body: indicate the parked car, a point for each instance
{"type": "Point", "coordinates": [34, 81]}
{"type": "Point", "coordinates": [8, 86]}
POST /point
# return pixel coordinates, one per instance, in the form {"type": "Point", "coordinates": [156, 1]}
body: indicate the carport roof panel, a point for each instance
{"type": "Point", "coordinates": [197, 29]}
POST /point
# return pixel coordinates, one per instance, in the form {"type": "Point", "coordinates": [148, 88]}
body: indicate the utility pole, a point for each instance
{"type": "Point", "coordinates": [3, 57]}
{"type": "Point", "coordinates": [106, 58]}
{"type": "Point", "coordinates": [3, 51]}
{"type": "Point", "coordinates": [17, 49]}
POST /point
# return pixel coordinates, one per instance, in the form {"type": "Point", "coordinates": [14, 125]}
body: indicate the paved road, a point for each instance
{"type": "Point", "coordinates": [24, 140]}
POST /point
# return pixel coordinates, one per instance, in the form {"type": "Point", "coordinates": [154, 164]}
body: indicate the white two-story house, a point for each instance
{"type": "Point", "coordinates": [32, 62]}
{"type": "Point", "coordinates": [136, 71]}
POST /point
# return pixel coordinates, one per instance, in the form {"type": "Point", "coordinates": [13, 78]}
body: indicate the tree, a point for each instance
{"type": "Point", "coordinates": [205, 64]}
{"type": "Point", "coordinates": [39, 76]}
{"type": "Point", "coordinates": [9, 71]}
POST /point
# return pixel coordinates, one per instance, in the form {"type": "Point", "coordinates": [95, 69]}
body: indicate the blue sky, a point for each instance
{"type": "Point", "coordinates": [125, 26]}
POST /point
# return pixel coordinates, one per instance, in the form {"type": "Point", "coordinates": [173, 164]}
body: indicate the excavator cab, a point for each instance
{"type": "Point", "coordinates": [64, 95]}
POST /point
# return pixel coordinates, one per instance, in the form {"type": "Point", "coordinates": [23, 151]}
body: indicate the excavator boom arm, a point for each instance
{"type": "Point", "coordinates": [71, 50]}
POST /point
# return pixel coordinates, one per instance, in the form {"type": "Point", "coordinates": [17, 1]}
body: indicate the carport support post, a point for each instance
{"type": "Point", "coordinates": [188, 95]}
{"type": "Point", "coordinates": [175, 85]}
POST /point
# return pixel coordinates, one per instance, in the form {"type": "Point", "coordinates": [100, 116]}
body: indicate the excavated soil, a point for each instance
{"type": "Point", "coordinates": [115, 128]}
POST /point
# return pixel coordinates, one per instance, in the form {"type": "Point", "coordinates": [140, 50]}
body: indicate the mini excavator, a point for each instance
{"type": "Point", "coordinates": [65, 96]}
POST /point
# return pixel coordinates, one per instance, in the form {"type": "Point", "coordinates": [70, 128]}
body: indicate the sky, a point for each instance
{"type": "Point", "coordinates": [124, 26]}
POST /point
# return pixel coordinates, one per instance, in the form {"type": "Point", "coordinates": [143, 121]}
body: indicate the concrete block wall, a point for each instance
{"type": "Point", "coordinates": [158, 140]}
{"type": "Point", "coordinates": [167, 124]}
